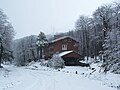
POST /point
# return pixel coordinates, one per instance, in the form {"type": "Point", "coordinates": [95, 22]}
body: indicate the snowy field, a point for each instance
{"type": "Point", "coordinates": [36, 77]}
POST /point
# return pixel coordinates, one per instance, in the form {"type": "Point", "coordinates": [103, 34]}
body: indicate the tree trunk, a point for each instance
{"type": "Point", "coordinates": [24, 59]}
{"type": "Point", "coordinates": [0, 59]}
{"type": "Point", "coordinates": [40, 52]}
{"type": "Point", "coordinates": [33, 55]}
{"type": "Point", "coordinates": [1, 51]}
{"type": "Point", "coordinates": [37, 53]}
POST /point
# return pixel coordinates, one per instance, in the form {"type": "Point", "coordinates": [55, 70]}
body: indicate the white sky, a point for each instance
{"type": "Point", "coordinates": [49, 16]}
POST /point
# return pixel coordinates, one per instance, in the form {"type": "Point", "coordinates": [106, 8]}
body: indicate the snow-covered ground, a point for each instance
{"type": "Point", "coordinates": [109, 79]}
{"type": "Point", "coordinates": [36, 77]}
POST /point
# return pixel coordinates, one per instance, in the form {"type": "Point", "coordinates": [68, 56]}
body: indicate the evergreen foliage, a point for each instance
{"type": "Point", "coordinates": [41, 43]}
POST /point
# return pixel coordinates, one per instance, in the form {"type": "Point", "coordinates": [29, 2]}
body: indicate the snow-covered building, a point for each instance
{"type": "Point", "coordinates": [66, 47]}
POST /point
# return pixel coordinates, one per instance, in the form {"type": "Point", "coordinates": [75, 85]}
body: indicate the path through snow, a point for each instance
{"type": "Point", "coordinates": [40, 79]}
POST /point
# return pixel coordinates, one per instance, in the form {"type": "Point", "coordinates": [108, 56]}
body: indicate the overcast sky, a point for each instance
{"type": "Point", "coordinates": [49, 16]}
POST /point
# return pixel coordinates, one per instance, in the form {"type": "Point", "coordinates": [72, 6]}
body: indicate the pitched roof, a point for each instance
{"type": "Point", "coordinates": [64, 53]}
{"type": "Point", "coordinates": [63, 38]}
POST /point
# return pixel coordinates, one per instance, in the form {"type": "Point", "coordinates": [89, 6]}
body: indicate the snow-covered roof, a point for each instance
{"type": "Point", "coordinates": [63, 38]}
{"type": "Point", "coordinates": [64, 53]}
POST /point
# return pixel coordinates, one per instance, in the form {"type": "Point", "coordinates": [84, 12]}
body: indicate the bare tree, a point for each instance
{"type": "Point", "coordinates": [82, 34]}
{"type": "Point", "coordinates": [25, 50]}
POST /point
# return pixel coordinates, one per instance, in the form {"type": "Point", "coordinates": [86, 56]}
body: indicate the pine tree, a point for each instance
{"type": "Point", "coordinates": [41, 43]}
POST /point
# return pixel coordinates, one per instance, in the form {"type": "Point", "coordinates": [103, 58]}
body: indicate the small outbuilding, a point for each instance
{"type": "Point", "coordinates": [71, 58]}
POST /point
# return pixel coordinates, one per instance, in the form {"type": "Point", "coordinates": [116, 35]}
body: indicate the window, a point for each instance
{"type": "Point", "coordinates": [64, 47]}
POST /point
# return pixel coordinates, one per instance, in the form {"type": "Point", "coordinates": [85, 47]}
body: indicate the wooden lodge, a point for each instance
{"type": "Point", "coordinates": [67, 48]}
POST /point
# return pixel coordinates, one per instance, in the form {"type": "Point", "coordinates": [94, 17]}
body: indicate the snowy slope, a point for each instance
{"type": "Point", "coordinates": [36, 77]}
{"type": "Point", "coordinates": [109, 79]}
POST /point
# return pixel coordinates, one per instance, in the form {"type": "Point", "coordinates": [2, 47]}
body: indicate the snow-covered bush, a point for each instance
{"type": "Point", "coordinates": [56, 62]}
{"type": "Point", "coordinates": [44, 63]}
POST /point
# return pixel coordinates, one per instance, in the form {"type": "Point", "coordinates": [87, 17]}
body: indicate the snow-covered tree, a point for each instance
{"type": "Point", "coordinates": [6, 36]}
{"type": "Point", "coordinates": [25, 50]}
{"type": "Point", "coordinates": [41, 43]}
{"type": "Point", "coordinates": [112, 44]}
{"type": "Point", "coordinates": [82, 34]}
{"type": "Point", "coordinates": [111, 54]}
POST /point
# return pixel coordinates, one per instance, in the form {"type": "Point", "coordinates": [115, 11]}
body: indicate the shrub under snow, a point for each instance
{"type": "Point", "coordinates": [56, 62]}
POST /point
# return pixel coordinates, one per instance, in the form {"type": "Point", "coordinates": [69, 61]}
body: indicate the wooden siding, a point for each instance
{"type": "Point", "coordinates": [57, 46]}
